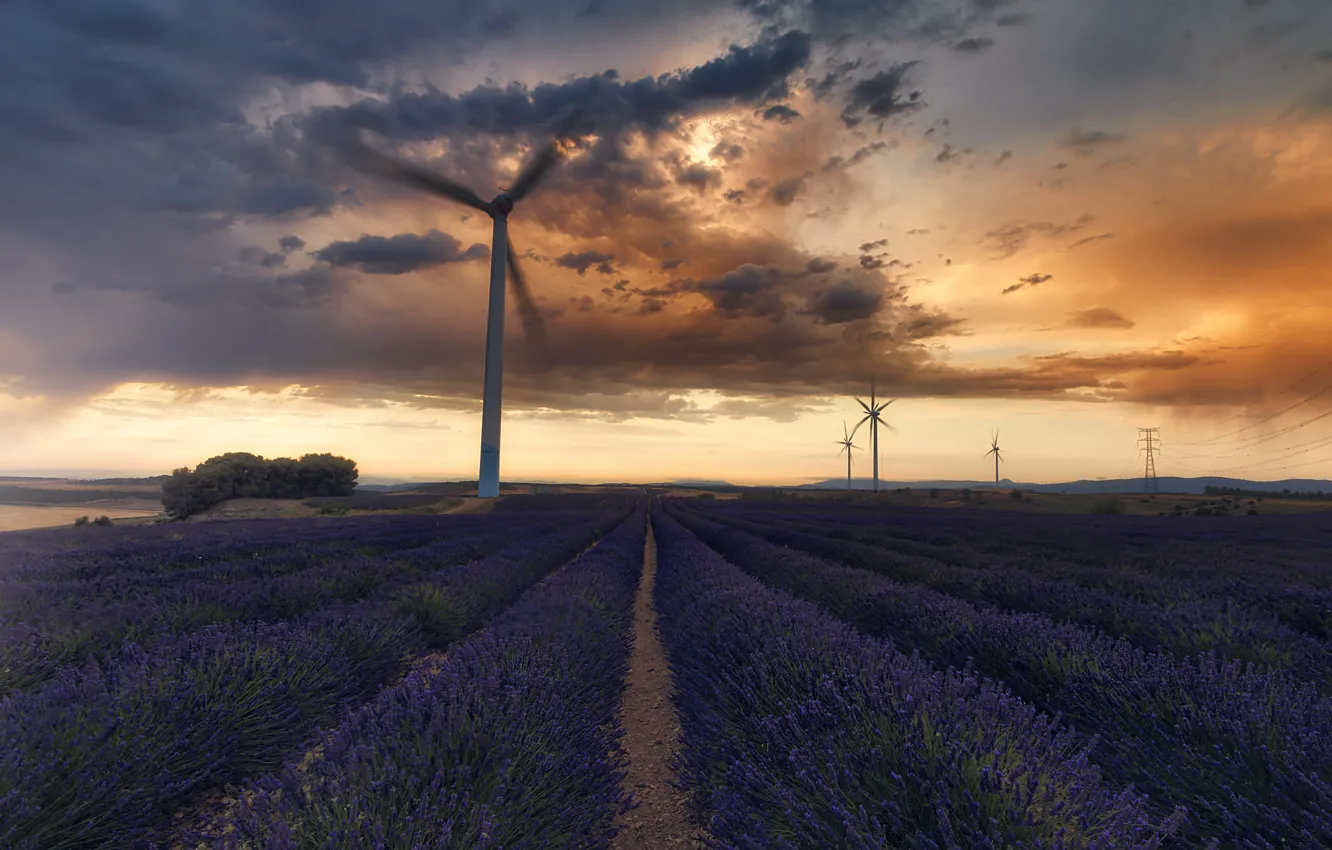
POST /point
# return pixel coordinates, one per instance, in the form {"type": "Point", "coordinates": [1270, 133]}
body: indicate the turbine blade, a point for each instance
{"type": "Point", "coordinates": [536, 169]}
{"type": "Point", "coordinates": [533, 325]}
{"type": "Point", "coordinates": [367, 160]}
{"type": "Point", "coordinates": [890, 428]}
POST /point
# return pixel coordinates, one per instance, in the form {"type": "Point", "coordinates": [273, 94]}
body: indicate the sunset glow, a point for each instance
{"type": "Point", "coordinates": [1063, 220]}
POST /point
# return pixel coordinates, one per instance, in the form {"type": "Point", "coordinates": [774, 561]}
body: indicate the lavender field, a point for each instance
{"type": "Point", "coordinates": [843, 676]}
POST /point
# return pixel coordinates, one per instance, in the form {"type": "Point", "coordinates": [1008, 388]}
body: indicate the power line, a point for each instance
{"type": "Point", "coordinates": [1325, 390]}
{"type": "Point", "coordinates": [1302, 380]}
{"type": "Point", "coordinates": [1319, 441]}
{"type": "Point", "coordinates": [1259, 464]}
{"type": "Point", "coordinates": [1287, 430]}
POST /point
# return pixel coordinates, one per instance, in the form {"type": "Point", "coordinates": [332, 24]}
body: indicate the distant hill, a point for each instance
{"type": "Point", "coordinates": [1165, 484]}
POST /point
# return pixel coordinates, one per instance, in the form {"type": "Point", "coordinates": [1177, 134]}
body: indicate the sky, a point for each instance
{"type": "Point", "coordinates": [1062, 220]}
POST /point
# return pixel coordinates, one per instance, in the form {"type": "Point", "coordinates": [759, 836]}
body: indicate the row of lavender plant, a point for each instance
{"type": "Point", "coordinates": [799, 732]}
{"type": "Point", "coordinates": [511, 742]}
{"type": "Point", "coordinates": [1249, 752]}
{"type": "Point", "coordinates": [160, 551]}
{"type": "Point", "coordinates": [25, 599]}
{"type": "Point", "coordinates": [32, 650]}
{"type": "Point", "coordinates": [102, 753]}
{"type": "Point", "coordinates": [1284, 548]}
{"type": "Point", "coordinates": [1215, 577]}
{"type": "Point", "coordinates": [1223, 626]}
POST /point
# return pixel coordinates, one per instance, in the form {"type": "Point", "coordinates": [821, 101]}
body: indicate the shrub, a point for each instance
{"type": "Point", "coordinates": [1015, 495]}
{"type": "Point", "coordinates": [83, 520]}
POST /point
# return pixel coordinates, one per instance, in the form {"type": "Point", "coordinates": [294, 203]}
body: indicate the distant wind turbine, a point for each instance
{"type": "Point", "coordinates": [847, 446]}
{"type": "Point", "coordinates": [994, 450]}
{"type": "Point", "coordinates": [873, 415]}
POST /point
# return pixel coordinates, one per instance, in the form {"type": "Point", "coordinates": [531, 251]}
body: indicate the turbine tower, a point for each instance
{"type": "Point", "coordinates": [847, 446]}
{"type": "Point", "coordinates": [994, 450]}
{"type": "Point", "coordinates": [370, 161]}
{"type": "Point", "coordinates": [873, 415]}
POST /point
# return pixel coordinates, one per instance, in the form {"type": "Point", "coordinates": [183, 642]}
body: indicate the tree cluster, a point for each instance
{"type": "Point", "coordinates": [238, 475]}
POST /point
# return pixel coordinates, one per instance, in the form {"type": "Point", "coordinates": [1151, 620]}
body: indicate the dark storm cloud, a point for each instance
{"type": "Point", "coordinates": [749, 291]}
{"type": "Point", "coordinates": [1088, 240]}
{"type": "Point", "coordinates": [784, 192]}
{"type": "Point", "coordinates": [1089, 141]}
{"type": "Point", "coordinates": [1099, 317]}
{"type": "Point", "coordinates": [400, 254]}
{"type": "Point", "coordinates": [1013, 19]}
{"type": "Point", "coordinates": [585, 260]}
{"type": "Point", "coordinates": [1030, 280]}
{"type": "Point", "coordinates": [881, 96]}
{"type": "Point", "coordinates": [838, 163]}
{"type": "Point", "coordinates": [752, 74]}
{"type": "Point", "coordinates": [919, 323]}
{"type": "Point", "coordinates": [206, 288]}
{"type": "Point", "coordinates": [699, 176]}
{"type": "Point", "coordinates": [727, 151]}
{"type": "Point", "coordinates": [845, 302]}
{"type": "Point", "coordinates": [973, 45]}
{"type": "Point", "coordinates": [259, 257]}
{"type": "Point", "coordinates": [781, 113]}
{"type": "Point", "coordinates": [1012, 238]}
{"type": "Point", "coordinates": [122, 146]}
{"type": "Point", "coordinates": [898, 20]}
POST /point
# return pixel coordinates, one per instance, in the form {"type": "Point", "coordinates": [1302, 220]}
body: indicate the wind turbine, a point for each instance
{"type": "Point", "coordinates": [370, 161]}
{"type": "Point", "coordinates": [994, 450]}
{"type": "Point", "coordinates": [873, 415]}
{"type": "Point", "coordinates": [847, 446]}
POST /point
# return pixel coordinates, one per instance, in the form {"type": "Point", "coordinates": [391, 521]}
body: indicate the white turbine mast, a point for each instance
{"type": "Point", "coordinates": [370, 161]}
{"type": "Point", "coordinates": [846, 446]}
{"type": "Point", "coordinates": [874, 416]}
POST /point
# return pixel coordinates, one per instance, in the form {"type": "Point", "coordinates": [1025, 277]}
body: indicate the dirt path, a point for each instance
{"type": "Point", "coordinates": [651, 729]}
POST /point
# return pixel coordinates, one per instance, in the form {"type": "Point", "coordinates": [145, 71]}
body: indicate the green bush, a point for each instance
{"type": "Point", "coordinates": [242, 475]}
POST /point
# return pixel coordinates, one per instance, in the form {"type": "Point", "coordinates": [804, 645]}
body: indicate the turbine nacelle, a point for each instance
{"type": "Point", "coordinates": [502, 205]}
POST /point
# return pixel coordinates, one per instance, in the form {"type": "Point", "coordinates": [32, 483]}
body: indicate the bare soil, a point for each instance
{"type": "Point", "coordinates": [651, 736]}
